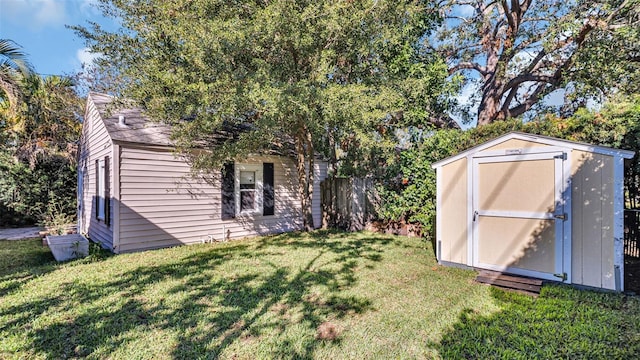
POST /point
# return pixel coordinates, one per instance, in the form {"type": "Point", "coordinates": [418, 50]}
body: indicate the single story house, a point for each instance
{"type": "Point", "coordinates": [135, 193]}
{"type": "Point", "coordinates": [534, 206]}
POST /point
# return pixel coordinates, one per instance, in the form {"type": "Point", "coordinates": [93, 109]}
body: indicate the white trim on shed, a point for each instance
{"type": "Point", "coordinates": [586, 244]}
{"type": "Point", "coordinates": [546, 140]}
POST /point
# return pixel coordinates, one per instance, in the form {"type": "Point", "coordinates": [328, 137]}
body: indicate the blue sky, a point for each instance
{"type": "Point", "coordinates": [39, 27]}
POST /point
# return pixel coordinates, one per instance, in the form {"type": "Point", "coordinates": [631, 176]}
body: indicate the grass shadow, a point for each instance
{"type": "Point", "coordinates": [562, 323]}
{"type": "Point", "coordinates": [212, 299]}
{"type": "Point", "coordinates": [22, 261]}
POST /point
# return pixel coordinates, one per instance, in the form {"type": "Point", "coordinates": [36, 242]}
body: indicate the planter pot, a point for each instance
{"type": "Point", "coordinates": [67, 247]}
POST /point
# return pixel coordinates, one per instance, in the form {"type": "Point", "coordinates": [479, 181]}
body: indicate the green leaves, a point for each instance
{"type": "Point", "coordinates": [30, 192]}
{"type": "Point", "coordinates": [617, 125]}
{"type": "Point", "coordinates": [319, 76]}
{"type": "Point", "coordinates": [283, 62]}
{"type": "Point", "coordinates": [518, 53]}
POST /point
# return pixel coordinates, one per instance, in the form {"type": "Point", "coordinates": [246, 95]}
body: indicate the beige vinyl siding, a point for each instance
{"type": "Point", "coordinates": [592, 227]}
{"type": "Point", "coordinates": [453, 246]}
{"type": "Point", "coordinates": [163, 205]}
{"type": "Point", "coordinates": [95, 144]}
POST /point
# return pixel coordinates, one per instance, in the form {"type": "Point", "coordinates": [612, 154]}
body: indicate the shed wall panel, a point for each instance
{"type": "Point", "coordinates": [607, 243]}
{"type": "Point", "coordinates": [592, 226]}
{"type": "Point", "coordinates": [576, 216]}
{"type": "Point", "coordinates": [454, 212]}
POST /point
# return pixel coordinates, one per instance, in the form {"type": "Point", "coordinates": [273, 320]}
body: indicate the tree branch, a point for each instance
{"type": "Point", "coordinates": [468, 66]}
{"type": "Point", "coordinates": [461, 18]}
{"type": "Point", "coordinates": [507, 13]}
{"type": "Point", "coordinates": [527, 104]}
{"type": "Point", "coordinates": [505, 106]}
{"type": "Point", "coordinates": [526, 77]}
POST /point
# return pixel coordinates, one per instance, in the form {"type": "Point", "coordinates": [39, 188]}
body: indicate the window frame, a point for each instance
{"type": "Point", "coordinates": [258, 190]}
{"type": "Point", "coordinates": [100, 190]}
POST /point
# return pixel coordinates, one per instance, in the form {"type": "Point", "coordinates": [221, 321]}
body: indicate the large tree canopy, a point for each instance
{"type": "Point", "coordinates": [47, 120]}
{"type": "Point", "coordinates": [38, 130]}
{"type": "Point", "coordinates": [320, 75]}
{"type": "Point", "coordinates": [517, 52]}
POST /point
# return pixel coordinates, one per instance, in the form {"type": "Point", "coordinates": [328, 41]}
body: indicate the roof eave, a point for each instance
{"type": "Point", "coordinates": [625, 154]}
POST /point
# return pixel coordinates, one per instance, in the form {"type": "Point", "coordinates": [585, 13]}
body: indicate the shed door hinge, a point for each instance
{"type": "Point", "coordinates": [562, 216]}
{"type": "Point", "coordinates": [562, 276]}
{"type": "Point", "coordinates": [562, 156]}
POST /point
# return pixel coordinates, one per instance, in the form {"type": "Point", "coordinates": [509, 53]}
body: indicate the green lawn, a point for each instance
{"type": "Point", "coordinates": [323, 295]}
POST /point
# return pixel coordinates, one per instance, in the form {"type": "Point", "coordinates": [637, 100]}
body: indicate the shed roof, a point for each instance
{"type": "Point", "coordinates": [546, 140]}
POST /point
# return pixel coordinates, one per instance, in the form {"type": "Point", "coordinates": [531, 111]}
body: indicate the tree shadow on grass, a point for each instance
{"type": "Point", "coordinates": [562, 323]}
{"type": "Point", "coordinates": [22, 261]}
{"type": "Point", "coordinates": [206, 312]}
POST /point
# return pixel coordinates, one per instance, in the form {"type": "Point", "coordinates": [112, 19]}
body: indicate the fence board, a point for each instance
{"type": "Point", "coordinates": [347, 203]}
{"type": "Point", "coordinates": [632, 233]}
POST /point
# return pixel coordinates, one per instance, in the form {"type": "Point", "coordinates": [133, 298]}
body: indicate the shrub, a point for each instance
{"type": "Point", "coordinates": [41, 191]}
{"type": "Point", "coordinates": [408, 189]}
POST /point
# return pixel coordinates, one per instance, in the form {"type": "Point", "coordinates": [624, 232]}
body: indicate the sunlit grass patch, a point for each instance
{"type": "Point", "coordinates": [320, 295]}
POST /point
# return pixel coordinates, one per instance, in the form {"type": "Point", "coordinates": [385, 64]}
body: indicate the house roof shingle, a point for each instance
{"type": "Point", "coordinates": [138, 129]}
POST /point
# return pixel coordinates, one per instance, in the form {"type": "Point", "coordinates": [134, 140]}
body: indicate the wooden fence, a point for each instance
{"type": "Point", "coordinates": [632, 233]}
{"type": "Point", "coordinates": [347, 203]}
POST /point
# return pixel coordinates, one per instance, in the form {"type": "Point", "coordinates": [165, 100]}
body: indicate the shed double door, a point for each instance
{"type": "Point", "coordinates": [518, 214]}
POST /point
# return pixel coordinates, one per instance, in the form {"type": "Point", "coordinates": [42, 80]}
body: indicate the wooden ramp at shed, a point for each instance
{"type": "Point", "coordinates": [522, 284]}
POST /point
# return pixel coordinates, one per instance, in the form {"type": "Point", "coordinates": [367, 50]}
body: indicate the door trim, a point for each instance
{"type": "Point", "coordinates": [562, 180]}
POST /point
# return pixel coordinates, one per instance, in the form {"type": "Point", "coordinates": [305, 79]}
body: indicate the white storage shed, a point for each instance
{"type": "Point", "coordinates": [534, 206]}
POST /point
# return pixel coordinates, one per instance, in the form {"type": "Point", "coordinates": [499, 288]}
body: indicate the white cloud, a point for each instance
{"type": "Point", "coordinates": [89, 7]}
{"type": "Point", "coordinates": [85, 57]}
{"type": "Point", "coordinates": [50, 12]}
{"type": "Point", "coordinates": [37, 13]}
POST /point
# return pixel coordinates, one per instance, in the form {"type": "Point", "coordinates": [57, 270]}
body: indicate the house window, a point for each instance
{"type": "Point", "coordinates": [102, 195]}
{"type": "Point", "coordinates": [248, 188]}
{"type": "Point", "coordinates": [247, 191]}
{"type": "Point", "coordinates": [100, 189]}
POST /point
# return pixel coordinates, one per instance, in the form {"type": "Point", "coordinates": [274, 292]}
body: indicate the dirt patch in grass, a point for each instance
{"type": "Point", "coordinates": [328, 331]}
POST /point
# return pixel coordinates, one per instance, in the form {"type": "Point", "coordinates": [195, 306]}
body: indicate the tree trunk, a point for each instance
{"type": "Point", "coordinates": [304, 167]}
{"type": "Point", "coordinates": [489, 109]}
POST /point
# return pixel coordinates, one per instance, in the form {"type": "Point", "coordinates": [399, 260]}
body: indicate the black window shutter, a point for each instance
{"type": "Point", "coordinates": [268, 204]}
{"type": "Point", "coordinates": [97, 183]}
{"type": "Point", "coordinates": [228, 193]}
{"type": "Point", "coordinates": [107, 192]}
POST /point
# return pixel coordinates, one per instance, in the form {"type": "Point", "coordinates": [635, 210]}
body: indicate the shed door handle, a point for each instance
{"type": "Point", "coordinates": [475, 214]}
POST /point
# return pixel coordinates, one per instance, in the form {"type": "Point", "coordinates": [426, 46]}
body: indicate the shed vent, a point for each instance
{"type": "Point", "coordinates": [122, 121]}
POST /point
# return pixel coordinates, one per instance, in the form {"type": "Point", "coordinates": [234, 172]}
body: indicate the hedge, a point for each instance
{"type": "Point", "coordinates": [409, 188]}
